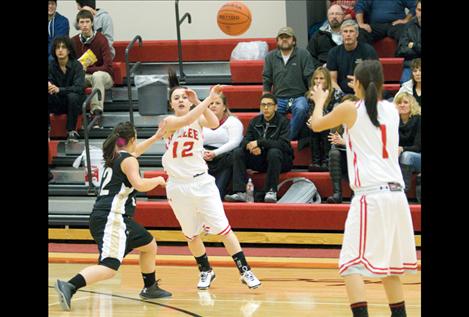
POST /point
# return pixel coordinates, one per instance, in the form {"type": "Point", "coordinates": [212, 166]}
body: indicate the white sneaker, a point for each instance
{"type": "Point", "coordinates": [250, 280]}
{"type": "Point", "coordinates": [206, 279]}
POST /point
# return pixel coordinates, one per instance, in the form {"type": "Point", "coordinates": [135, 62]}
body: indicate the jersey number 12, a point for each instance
{"type": "Point", "coordinates": [186, 149]}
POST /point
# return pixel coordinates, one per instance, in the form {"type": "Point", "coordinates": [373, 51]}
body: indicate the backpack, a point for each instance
{"type": "Point", "coordinates": [301, 191]}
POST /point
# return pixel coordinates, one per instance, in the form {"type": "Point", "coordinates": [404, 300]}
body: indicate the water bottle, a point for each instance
{"type": "Point", "coordinates": [250, 191]}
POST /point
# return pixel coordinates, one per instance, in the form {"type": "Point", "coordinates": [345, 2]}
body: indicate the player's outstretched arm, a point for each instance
{"type": "Point", "coordinates": [173, 122]}
{"type": "Point", "coordinates": [144, 145]}
{"type": "Point", "coordinates": [130, 168]}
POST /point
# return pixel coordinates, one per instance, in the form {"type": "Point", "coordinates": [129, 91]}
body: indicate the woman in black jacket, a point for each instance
{"type": "Point", "coordinates": [409, 136]}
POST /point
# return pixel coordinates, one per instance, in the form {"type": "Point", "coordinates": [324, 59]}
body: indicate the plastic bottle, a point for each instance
{"type": "Point", "coordinates": [250, 191]}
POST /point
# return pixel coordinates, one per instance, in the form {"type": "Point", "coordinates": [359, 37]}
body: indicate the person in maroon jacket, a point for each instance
{"type": "Point", "coordinates": [99, 74]}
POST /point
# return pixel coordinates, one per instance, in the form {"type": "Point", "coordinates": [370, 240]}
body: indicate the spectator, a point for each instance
{"type": "Point", "coordinates": [265, 148]}
{"type": "Point", "coordinates": [102, 21]}
{"type": "Point", "coordinates": [98, 75]}
{"type": "Point", "coordinates": [378, 19]}
{"type": "Point", "coordinates": [409, 45]}
{"type": "Point", "coordinates": [220, 142]}
{"type": "Point", "coordinates": [327, 37]}
{"type": "Point", "coordinates": [348, 6]}
{"type": "Point", "coordinates": [288, 68]}
{"type": "Point", "coordinates": [338, 159]}
{"type": "Point", "coordinates": [414, 85]}
{"type": "Point", "coordinates": [409, 136]}
{"type": "Point", "coordinates": [342, 59]}
{"type": "Point", "coordinates": [58, 25]}
{"type": "Point", "coordinates": [320, 145]}
{"type": "Point", "coordinates": [66, 84]}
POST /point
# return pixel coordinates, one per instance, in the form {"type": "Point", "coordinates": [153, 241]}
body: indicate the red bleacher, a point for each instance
{"type": "Point", "coordinates": [386, 47]}
{"type": "Point", "coordinates": [192, 50]}
{"type": "Point", "coordinates": [264, 216]}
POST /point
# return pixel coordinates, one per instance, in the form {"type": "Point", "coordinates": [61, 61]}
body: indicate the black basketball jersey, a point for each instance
{"type": "Point", "coordinates": [116, 194]}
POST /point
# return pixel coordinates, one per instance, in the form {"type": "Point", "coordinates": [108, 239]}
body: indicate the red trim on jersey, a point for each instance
{"type": "Point", "coordinates": [383, 139]}
{"type": "Point", "coordinates": [224, 231]}
{"type": "Point", "coordinates": [356, 182]}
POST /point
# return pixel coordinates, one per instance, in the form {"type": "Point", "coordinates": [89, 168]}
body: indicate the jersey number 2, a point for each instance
{"type": "Point", "coordinates": [383, 138]}
{"type": "Point", "coordinates": [186, 149]}
{"type": "Point", "coordinates": [107, 175]}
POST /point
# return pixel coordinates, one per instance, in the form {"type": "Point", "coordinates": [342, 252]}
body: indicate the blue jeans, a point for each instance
{"type": "Point", "coordinates": [411, 159]}
{"type": "Point", "coordinates": [406, 75]}
{"type": "Point", "coordinates": [299, 109]}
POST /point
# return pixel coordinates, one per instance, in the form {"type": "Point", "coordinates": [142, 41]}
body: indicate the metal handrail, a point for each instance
{"type": "Point", "coordinates": [91, 188]}
{"type": "Point", "coordinates": [182, 76]}
{"type": "Point", "coordinates": [130, 73]}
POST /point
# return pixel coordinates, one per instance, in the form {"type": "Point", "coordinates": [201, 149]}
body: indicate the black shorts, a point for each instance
{"type": "Point", "coordinates": [116, 236]}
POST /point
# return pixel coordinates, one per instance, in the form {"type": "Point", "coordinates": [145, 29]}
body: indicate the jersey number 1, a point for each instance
{"type": "Point", "coordinates": [383, 138]}
{"type": "Point", "coordinates": [186, 149]}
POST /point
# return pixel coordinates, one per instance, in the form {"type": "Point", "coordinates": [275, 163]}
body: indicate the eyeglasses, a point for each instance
{"type": "Point", "coordinates": [269, 104]}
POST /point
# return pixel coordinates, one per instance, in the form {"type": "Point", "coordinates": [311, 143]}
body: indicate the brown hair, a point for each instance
{"type": "Point", "coordinates": [119, 137]}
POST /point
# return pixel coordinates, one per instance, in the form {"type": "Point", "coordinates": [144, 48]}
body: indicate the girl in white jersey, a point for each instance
{"type": "Point", "coordinates": [378, 237]}
{"type": "Point", "coordinates": [191, 191]}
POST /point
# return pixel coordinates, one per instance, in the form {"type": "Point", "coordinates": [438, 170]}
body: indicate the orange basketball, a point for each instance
{"type": "Point", "coordinates": [234, 18]}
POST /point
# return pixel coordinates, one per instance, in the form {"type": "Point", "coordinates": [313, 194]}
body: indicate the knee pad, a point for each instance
{"type": "Point", "coordinates": [111, 263]}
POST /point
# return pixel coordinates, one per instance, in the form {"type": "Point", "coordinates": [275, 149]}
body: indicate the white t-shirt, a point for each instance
{"type": "Point", "coordinates": [226, 137]}
{"type": "Point", "coordinates": [372, 152]}
{"type": "Point", "coordinates": [184, 156]}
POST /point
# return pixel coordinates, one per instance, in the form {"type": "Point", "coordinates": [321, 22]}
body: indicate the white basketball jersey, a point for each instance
{"type": "Point", "coordinates": [372, 152]}
{"type": "Point", "coordinates": [184, 156]}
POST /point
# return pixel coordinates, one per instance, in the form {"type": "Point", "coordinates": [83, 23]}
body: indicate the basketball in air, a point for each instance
{"type": "Point", "coordinates": [234, 18]}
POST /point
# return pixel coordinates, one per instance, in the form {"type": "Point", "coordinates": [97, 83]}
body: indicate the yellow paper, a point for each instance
{"type": "Point", "coordinates": [88, 58]}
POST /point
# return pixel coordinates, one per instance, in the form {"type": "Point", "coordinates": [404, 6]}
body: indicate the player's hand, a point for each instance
{"type": "Point", "coordinates": [161, 130]}
{"type": "Point", "coordinates": [192, 96]}
{"type": "Point", "coordinates": [318, 95]}
{"type": "Point", "coordinates": [209, 155]}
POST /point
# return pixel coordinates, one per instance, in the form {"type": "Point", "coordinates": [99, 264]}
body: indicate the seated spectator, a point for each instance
{"type": "Point", "coordinates": [342, 59]}
{"type": "Point", "coordinates": [320, 145]}
{"type": "Point", "coordinates": [327, 37]}
{"type": "Point", "coordinates": [66, 85]}
{"type": "Point", "coordinates": [378, 19]}
{"type": "Point", "coordinates": [288, 68]}
{"type": "Point", "coordinates": [414, 85]}
{"type": "Point", "coordinates": [338, 159]}
{"type": "Point", "coordinates": [409, 136]}
{"type": "Point", "coordinates": [265, 148]}
{"type": "Point", "coordinates": [348, 7]}
{"type": "Point", "coordinates": [98, 75]}
{"type": "Point", "coordinates": [410, 45]}
{"type": "Point", "coordinates": [58, 25]}
{"type": "Point", "coordinates": [220, 142]}
{"type": "Point", "coordinates": [102, 21]}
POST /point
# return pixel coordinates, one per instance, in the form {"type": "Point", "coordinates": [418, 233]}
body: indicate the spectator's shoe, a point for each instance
{"type": "Point", "coordinates": [154, 291]}
{"type": "Point", "coordinates": [98, 124]}
{"type": "Point", "coordinates": [72, 136]}
{"type": "Point", "coordinates": [65, 291]}
{"type": "Point", "coordinates": [250, 279]}
{"type": "Point", "coordinates": [206, 279]}
{"type": "Point", "coordinates": [270, 197]}
{"type": "Point", "coordinates": [314, 168]}
{"type": "Point", "coordinates": [336, 198]}
{"type": "Point", "coordinates": [236, 197]}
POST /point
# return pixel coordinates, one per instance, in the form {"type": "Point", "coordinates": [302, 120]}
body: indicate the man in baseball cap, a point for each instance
{"type": "Point", "coordinates": [286, 30]}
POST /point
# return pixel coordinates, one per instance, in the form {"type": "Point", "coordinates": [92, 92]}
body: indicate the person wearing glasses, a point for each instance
{"type": "Point", "coordinates": [265, 148]}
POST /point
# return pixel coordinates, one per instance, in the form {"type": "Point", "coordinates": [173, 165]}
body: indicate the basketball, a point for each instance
{"type": "Point", "coordinates": [234, 18]}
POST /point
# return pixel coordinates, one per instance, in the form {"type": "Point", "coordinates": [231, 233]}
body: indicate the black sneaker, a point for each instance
{"type": "Point", "coordinates": [65, 291]}
{"type": "Point", "coordinates": [154, 291]}
{"type": "Point", "coordinates": [98, 124]}
{"type": "Point", "coordinates": [72, 137]}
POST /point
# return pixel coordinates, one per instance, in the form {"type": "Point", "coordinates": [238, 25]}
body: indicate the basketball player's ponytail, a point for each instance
{"type": "Point", "coordinates": [369, 73]}
{"type": "Point", "coordinates": [371, 103]}
{"type": "Point", "coordinates": [119, 138]}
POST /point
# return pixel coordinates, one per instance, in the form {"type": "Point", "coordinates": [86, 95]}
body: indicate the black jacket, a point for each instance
{"type": "Point", "coordinates": [319, 46]}
{"type": "Point", "coordinates": [409, 134]}
{"type": "Point", "coordinates": [269, 134]}
{"type": "Point", "coordinates": [72, 81]}
{"type": "Point", "coordinates": [410, 34]}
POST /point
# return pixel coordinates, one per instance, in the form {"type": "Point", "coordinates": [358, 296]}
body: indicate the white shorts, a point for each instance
{"type": "Point", "coordinates": [197, 205]}
{"type": "Point", "coordinates": [379, 236]}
